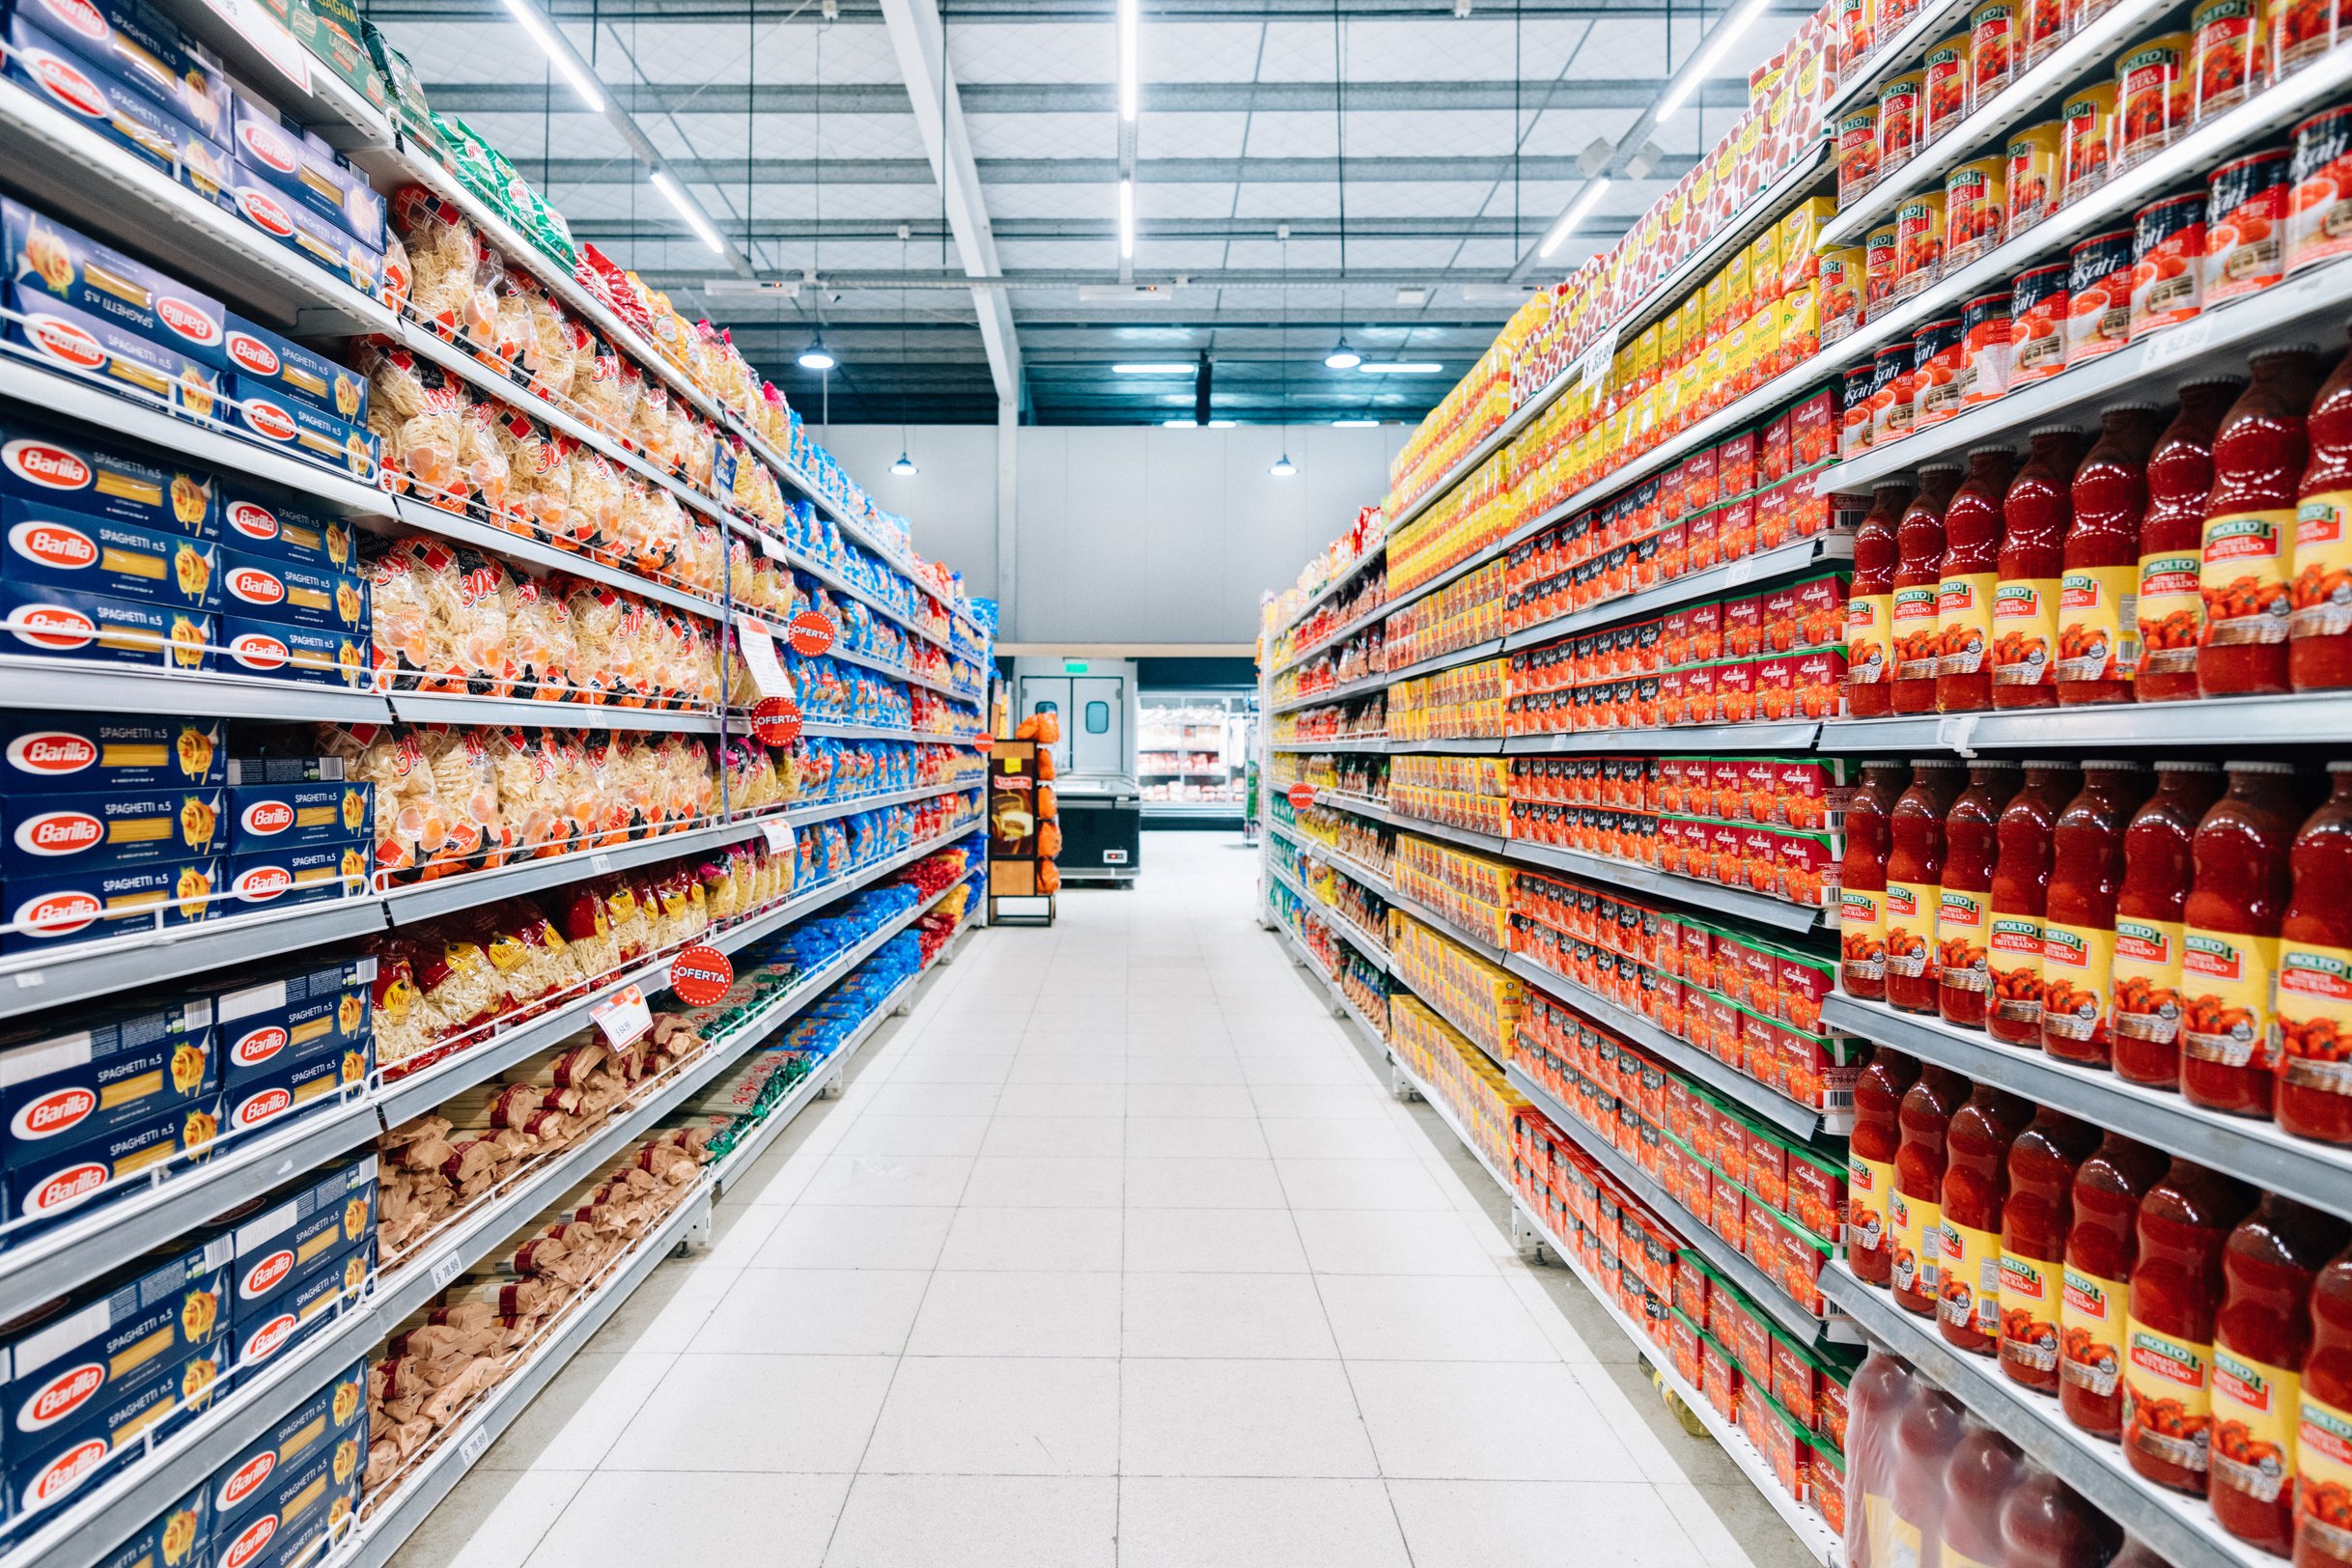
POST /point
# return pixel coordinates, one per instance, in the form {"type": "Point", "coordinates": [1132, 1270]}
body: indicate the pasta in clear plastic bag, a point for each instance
{"type": "Point", "coordinates": [538, 638]}
{"type": "Point", "coordinates": [416, 410]}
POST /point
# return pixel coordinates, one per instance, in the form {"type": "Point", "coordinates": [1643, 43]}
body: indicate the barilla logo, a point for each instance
{"type": "Point", "coordinates": [263, 883]}
{"type": "Point", "coordinates": [53, 625]}
{"type": "Point", "coordinates": [57, 1111]}
{"type": "Point", "coordinates": [68, 83]}
{"type": "Point", "coordinates": [81, 15]}
{"type": "Point", "coordinates": [253, 521]}
{"type": "Point", "coordinates": [249, 1542]}
{"type": "Point", "coordinates": [266, 1273]}
{"type": "Point", "coordinates": [60, 832]}
{"type": "Point", "coordinates": [68, 1187]}
{"type": "Point", "coordinates": [259, 651]}
{"type": "Point", "coordinates": [262, 1108]}
{"type": "Point", "coordinates": [59, 914]}
{"type": "Point", "coordinates": [265, 143]}
{"type": "Point", "coordinates": [255, 586]}
{"type": "Point", "coordinates": [252, 353]}
{"type": "Point", "coordinates": [268, 816]}
{"type": "Point", "coordinates": [264, 210]}
{"type": "Point", "coordinates": [187, 320]}
{"type": "Point", "coordinates": [246, 1479]}
{"type": "Point", "coordinates": [270, 1338]}
{"type": "Point", "coordinates": [66, 1472]}
{"type": "Point", "coordinates": [258, 1046]}
{"type": "Point", "coordinates": [269, 421]}
{"type": "Point", "coordinates": [51, 467]}
{"type": "Point", "coordinates": [51, 752]}
{"type": "Point", "coordinates": [63, 341]}
{"type": "Point", "coordinates": [54, 545]}
{"type": "Point", "coordinates": [61, 1396]}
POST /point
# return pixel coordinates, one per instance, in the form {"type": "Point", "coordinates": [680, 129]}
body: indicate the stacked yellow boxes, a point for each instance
{"type": "Point", "coordinates": [1473, 891]}
{"type": "Point", "coordinates": [1483, 1103]}
{"type": "Point", "coordinates": [1459, 792]}
{"type": "Point", "coordinates": [1480, 1000]}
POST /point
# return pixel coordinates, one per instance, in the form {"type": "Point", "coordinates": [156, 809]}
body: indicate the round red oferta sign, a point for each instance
{"type": "Point", "coordinates": [701, 975]}
{"type": "Point", "coordinates": [1302, 796]}
{"type": "Point", "coordinates": [812, 633]}
{"type": "Point", "coordinates": [776, 721]}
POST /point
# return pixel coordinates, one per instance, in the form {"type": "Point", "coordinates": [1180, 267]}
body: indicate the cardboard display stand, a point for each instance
{"type": "Point", "coordinates": [1018, 867]}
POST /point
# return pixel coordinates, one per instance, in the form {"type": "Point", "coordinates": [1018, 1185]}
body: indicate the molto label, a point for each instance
{"type": "Point", "coordinates": [2170, 612]}
{"type": "Point", "coordinates": [2243, 576]}
{"type": "Point", "coordinates": [2315, 1016]}
{"type": "Point", "coordinates": [2029, 1290]}
{"type": "Point", "coordinates": [2147, 980]}
{"type": "Point", "coordinates": [1869, 1183]}
{"type": "Point", "coordinates": [1968, 1285]}
{"type": "Point", "coordinates": [1869, 655]}
{"type": "Point", "coordinates": [2168, 1397]}
{"type": "Point", "coordinates": [2025, 631]}
{"type": "Point", "coordinates": [2091, 1320]}
{"type": "Point", "coordinates": [1919, 1241]}
{"type": "Point", "coordinates": [2322, 594]}
{"type": "Point", "coordinates": [2225, 985]}
{"type": "Point", "coordinates": [2323, 1468]}
{"type": "Point", "coordinates": [1918, 653]}
{"type": "Point", "coordinates": [2013, 959]}
{"type": "Point", "coordinates": [2078, 963]}
{"type": "Point", "coordinates": [2253, 1447]}
{"type": "Point", "coordinates": [2098, 633]}
{"type": "Point", "coordinates": [1963, 622]}
{"type": "Point", "coordinates": [1961, 952]}
{"type": "Point", "coordinates": [1910, 928]}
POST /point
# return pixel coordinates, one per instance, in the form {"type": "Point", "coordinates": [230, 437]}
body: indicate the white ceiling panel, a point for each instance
{"type": "Point", "coordinates": [1042, 135]}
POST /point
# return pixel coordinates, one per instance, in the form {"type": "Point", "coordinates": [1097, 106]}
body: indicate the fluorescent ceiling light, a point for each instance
{"type": "Point", "coordinates": [1705, 61]}
{"type": "Point", "coordinates": [1187, 423]}
{"type": "Point", "coordinates": [817, 357]}
{"type": "Point", "coordinates": [1283, 468]}
{"type": "Point", "coordinates": [1170, 367]}
{"type": "Point", "coordinates": [1131, 26]}
{"type": "Point", "coordinates": [1220, 424]}
{"type": "Point", "coordinates": [1355, 424]}
{"type": "Point", "coordinates": [560, 55]}
{"type": "Point", "coordinates": [1127, 218]}
{"type": "Point", "coordinates": [1587, 199]}
{"type": "Point", "coordinates": [689, 211]}
{"type": "Point", "coordinates": [1341, 356]}
{"type": "Point", "coordinates": [1402, 367]}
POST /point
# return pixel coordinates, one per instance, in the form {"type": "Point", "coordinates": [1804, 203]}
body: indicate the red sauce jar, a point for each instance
{"type": "Point", "coordinates": [2020, 893]}
{"type": "Point", "coordinates": [2319, 623]}
{"type": "Point", "coordinates": [2037, 323]}
{"type": "Point", "coordinates": [2259, 453]}
{"type": "Point", "coordinates": [1975, 1187]}
{"type": "Point", "coordinates": [2079, 918]}
{"type": "Point", "coordinates": [1914, 877]}
{"type": "Point", "coordinates": [1977, 1479]}
{"type": "Point", "coordinates": [2100, 1251]}
{"type": "Point", "coordinates": [2246, 225]}
{"type": "Point", "coordinates": [1919, 579]}
{"type": "Point", "coordinates": [2316, 974]}
{"type": "Point", "coordinates": [2323, 1439]}
{"type": "Point", "coordinates": [2184, 1221]}
{"type": "Point", "coordinates": [2098, 646]}
{"type": "Point", "coordinates": [2035, 1220]}
{"type": "Point", "coordinates": [2036, 515]}
{"type": "Point", "coordinates": [1878, 1103]}
{"type": "Point", "coordinates": [2144, 1025]}
{"type": "Point", "coordinates": [1871, 604]}
{"type": "Point", "coordinates": [1916, 1208]}
{"type": "Point", "coordinates": [2319, 209]}
{"type": "Point", "coordinates": [2229, 947]}
{"type": "Point", "coordinates": [1972, 572]}
{"type": "Point", "coordinates": [1861, 938]}
{"type": "Point", "coordinates": [2045, 1523]}
{"type": "Point", "coordinates": [2260, 1337]}
{"type": "Point", "coordinates": [2172, 609]}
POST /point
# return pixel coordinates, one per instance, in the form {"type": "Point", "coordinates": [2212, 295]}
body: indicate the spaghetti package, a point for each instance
{"type": "Point", "coordinates": [412, 826]}
{"type": "Point", "coordinates": [414, 408]}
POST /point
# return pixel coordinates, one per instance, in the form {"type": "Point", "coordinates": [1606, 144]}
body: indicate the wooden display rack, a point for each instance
{"type": "Point", "coordinates": [1015, 827]}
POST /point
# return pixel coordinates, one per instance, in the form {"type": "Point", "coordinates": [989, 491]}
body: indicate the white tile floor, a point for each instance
{"type": "Point", "coordinates": [1117, 1251]}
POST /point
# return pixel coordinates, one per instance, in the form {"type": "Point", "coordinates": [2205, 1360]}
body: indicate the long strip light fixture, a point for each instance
{"type": "Point", "coordinates": [1131, 29]}
{"type": "Point", "coordinates": [1577, 211]}
{"type": "Point", "coordinates": [565, 65]}
{"type": "Point", "coordinates": [689, 211]}
{"type": "Point", "coordinates": [1695, 72]}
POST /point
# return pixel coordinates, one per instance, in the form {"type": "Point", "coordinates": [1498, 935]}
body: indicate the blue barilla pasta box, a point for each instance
{"type": "Point", "coordinates": [41, 835]}
{"type": "Point", "coordinates": [49, 753]}
{"type": "Point", "coordinates": [125, 1065]}
{"type": "Point", "coordinates": [97, 481]}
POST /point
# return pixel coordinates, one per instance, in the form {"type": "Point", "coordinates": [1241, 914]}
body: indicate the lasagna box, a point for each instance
{"type": "Point", "coordinates": [283, 878]}
{"type": "Point", "coordinates": [45, 753]}
{"type": "Point", "coordinates": [290, 423]}
{"type": "Point", "coordinates": [51, 547]}
{"type": "Point", "coordinates": [42, 836]}
{"type": "Point", "coordinates": [303, 231]}
{"type": "Point", "coordinates": [102, 349]}
{"type": "Point", "coordinates": [53, 1182]}
{"type": "Point", "coordinates": [109, 105]}
{"type": "Point", "coordinates": [58, 1090]}
{"type": "Point", "coordinates": [263, 817]}
{"type": "Point", "coordinates": [85, 906]}
{"type": "Point", "coordinates": [256, 525]}
{"type": "Point", "coordinates": [272, 649]}
{"type": "Point", "coordinates": [134, 45]}
{"type": "Point", "coordinates": [48, 262]}
{"type": "Point", "coordinates": [287, 1088]}
{"type": "Point", "coordinates": [314, 1010]}
{"type": "Point", "coordinates": [57, 1366]}
{"type": "Point", "coordinates": [331, 1422]}
{"type": "Point", "coordinates": [98, 482]}
{"type": "Point", "coordinates": [287, 593]}
{"type": "Point", "coordinates": [305, 170]}
{"type": "Point", "coordinates": [262, 358]}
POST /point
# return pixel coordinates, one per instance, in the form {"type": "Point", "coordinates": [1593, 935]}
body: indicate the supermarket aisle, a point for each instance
{"type": "Point", "coordinates": [1116, 1252]}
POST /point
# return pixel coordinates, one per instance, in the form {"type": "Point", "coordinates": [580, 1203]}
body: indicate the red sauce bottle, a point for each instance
{"type": "Point", "coordinates": [1976, 1481]}
{"type": "Point", "coordinates": [2259, 1340]}
{"type": "Point", "coordinates": [2323, 1439]}
{"type": "Point", "coordinates": [1919, 581]}
{"type": "Point", "coordinates": [2045, 1524]}
{"type": "Point", "coordinates": [1975, 1186]}
{"type": "Point", "coordinates": [1964, 916]}
{"type": "Point", "coordinates": [2035, 512]}
{"type": "Point", "coordinates": [2034, 1221]}
{"type": "Point", "coordinates": [2229, 945]}
{"type": "Point", "coordinates": [1871, 604]}
{"type": "Point", "coordinates": [2020, 885]}
{"type": "Point", "coordinates": [2100, 1249]}
{"type": "Point", "coordinates": [1914, 877]}
{"type": "Point", "coordinates": [1972, 572]}
{"type": "Point", "coordinates": [2177, 1292]}
{"type": "Point", "coordinates": [1861, 893]}
{"type": "Point", "coordinates": [2259, 453]}
{"type": "Point", "coordinates": [2316, 974]}
{"type": "Point", "coordinates": [2319, 627]}
{"type": "Point", "coordinates": [1875, 1402]}
{"type": "Point", "coordinates": [1878, 1103]}
{"type": "Point", "coordinates": [2143, 1027]}
{"type": "Point", "coordinates": [1915, 1211]}
{"type": "Point", "coordinates": [2079, 920]}
{"type": "Point", "coordinates": [1925, 1435]}
{"type": "Point", "coordinates": [2098, 648]}
{"type": "Point", "coordinates": [2172, 610]}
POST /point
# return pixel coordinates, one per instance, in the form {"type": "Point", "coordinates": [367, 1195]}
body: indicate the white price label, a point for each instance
{"type": "Point", "coordinates": [622, 1015]}
{"type": "Point", "coordinates": [471, 1449]}
{"type": "Point", "coordinates": [446, 1267]}
{"type": "Point", "coordinates": [1953, 730]}
{"type": "Point", "coordinates": [779, 836]}
{"type": "Point", "coordinates": [769, 547]}
{"type": "Point", "coordinates": [2177, 342]}
{"type": "Point", "coordinates": [1592, 365]}
{"type": "Point", "coordinates": [600, 861]}
{"type": "Point", "coordinates": [271, 41]}
{"type": "Point", "coordinates": [767, 675]}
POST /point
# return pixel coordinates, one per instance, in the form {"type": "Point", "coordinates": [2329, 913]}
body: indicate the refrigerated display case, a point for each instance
{"type": "Point", "coordinates": [1193, 752]}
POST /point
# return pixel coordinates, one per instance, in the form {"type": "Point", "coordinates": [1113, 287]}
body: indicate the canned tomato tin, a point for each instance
{"type": "Point", "coordinates": [2229, 57]}
{"type": "Point", "coordinates": [1934, 367]}
{"type": "Point", "coordinates": [1989, 51]}
{"type": "Point", "coordinates": [2037, 323]}
{"type": "Point", "coordinates": [2081, 13]}
{"type": "Point", "coordinates": [1841, 291]}
{"type": "Point", "coordinates": [1946, 87]}
{"type": "Point", "coordinates": [1854, 424]}
{"type": "Point", "coordinates": [2319, 210]}
{"type": "Point", "coordinates": [1985, 348]}
{"type": "Point", "coordinates": [2099, 295]}
{"type": "Point", "coordinates": [2088, 122]}
{"type": "Point", "coordinates": [1855, 39]}
{"type": "Point", "coordinates": [2246, 226]}
{"type": "Point", "coordinates": [1919, 242]}
{"type": "Point", "coordinates": [1890, 386]}
{"type": "Point", "coordinates": [2167, 262]}
{"type": "Point", "coordinates": [1878, 270]}
{"type": "Point", "coordinates": [2032, 179]}
{"type": "Point", "coordinates": [2041, 27]}
{"type": "Point", "coordinates": [2152, 92]}
{"type": "Point", "coordinates": [1856, 150]}
{"type": "Point", "coordinates": [2301, 31]}
{"type": "Point", "coordinates": [1902, 120]}
{"type": "Point", "coordinates": [1974, 206]}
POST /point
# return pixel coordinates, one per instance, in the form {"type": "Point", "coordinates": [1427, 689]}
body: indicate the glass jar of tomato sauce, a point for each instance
{"type": "Point", "coordinates": [2036, 515]}
{"type": "Point", "coordinates": [2034, 1218]}
{"type": "Point", "coordinates": [2100, 1248]}
{"type": "Point", "coordinates": [2259, 453]}
{"type": "Point", "coordinates": [1919, 580]}
{"type": "Point", "coordinates": [1964, 916]}
{"type": "Point", "coordinates": [1914, 876]}
{"type": "Point", "coordinates": [1925, 1435]}
{"type": "Point", "coordinates": [1916, 1210]}
{"type": "Point", "coordinates": [1975, 1186]}
{"type": "Point", "coordinates": [2259, 1340]}
{"type": "Point", "coordinates": [2229, 943]}
{"type": "Point", "coordinates": [2045, 1524]}
{"type": "Point", "coordinates": [2143, 1028]}
{"type": "Point", "coordinates": [2172, 610]}
{"type": "Point", "coordinates": [1871, 604]}
{"type": "Point", "coordinates": [2323, 1438]}
{"type": "Point", "coordinates": [1878, 1103]}
{"type": "Point", "coordinates": [2098, 647]}
{"type": "Point", "coordinates": [2021, 887]}
{"type": "Point", "coordinates": [2316, 972]}
{"type": "Point", "coordinates": [1875, 1402]}
{"type": "Point", "coordinates": [1976, 1481]}
{"type": "Point", "coordinates": [2184, 1220]}
{"type": "Point", "coordinates": [1861, 893]}
{"type": "Point", "coordinates": [2079, 916]}
{"type": "Point", "coordinates": [2319, 626]}
{"type": "Point", "coordinates": [1972, 571]}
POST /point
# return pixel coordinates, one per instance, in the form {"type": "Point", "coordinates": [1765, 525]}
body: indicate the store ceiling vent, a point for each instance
{"type": "Point", "coordinates": [1127, 293]}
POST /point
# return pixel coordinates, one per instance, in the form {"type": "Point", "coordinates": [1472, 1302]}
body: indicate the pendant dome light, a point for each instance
{"type": "Point", "coordinates": [817, 357]}
{"type": "Point", "coordinates": [1342, 356]}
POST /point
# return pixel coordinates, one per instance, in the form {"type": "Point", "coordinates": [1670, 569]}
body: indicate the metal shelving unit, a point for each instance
{"type": "Point", "coordinates": [1376, 745]}
{"type": "Point", "coordinates": [1339, 694]}
{"type": "Point", "coordinates": [2308, 719]}
{"type": "Point", "coordinates": [1347, 930]}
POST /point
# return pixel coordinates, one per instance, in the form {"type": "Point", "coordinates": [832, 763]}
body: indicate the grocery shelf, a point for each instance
{"type": "Point", "coordinates": [423, 901]}
{"type": "Point", "coordinates": [2310, 305]}
{"type": "Point", "coordinates": [899, 672]}
{"type": "Point", "coordinates": [1332, 638]}
{"type": "Point", "coordinates": [2181, 1529]}
{"type": "Point", "coordinates": [329, 108]}
{"type": "Point", "coordinates": [1446, 928]}
{"type": "Point", "coordinates": [28, 681]}
{"type": "Point", "coordinates": [2309, 718]}
{"type": "Point", "coordinates": [1797, 735]}
{"type": "Point", "coordinates": [832, 578]}
{"type": "Point", "coordinates": [850, 805]}
{"type": "Point", "coordinates": [423, 516]}
{"type": "Point", "coordinates": [1341, 1002]}
{"type": "Point", "coordinates": [1355, 869]}
{"type": "Point", "coordinates": [1377, 743]}
{"type": "Point", "coordinates": [1436, 1005]}
{"type": "Point", "coordinates": [1361, 806]}
{"type": "Point", "coordinates": [1811, 1531]}
{"type": "Point", "coordinates": [435, 708]}
{"type": "Point", "coordinates": [1339, 694]}
{"type": "Point", "coordinates": [1720, 1255]}
{"type": "Point", "coordinates": [1471, 654]}
{"type": "Point", "coordinates": [2316, 1173]}
{"type": "Point", "coordinates": [878, 732]}
{"type": "Point", "coordinates": [1467, 745]}
{"type": "Point", "coordinates": [1378, 552]}
{"type": "Point", "coordinates": [1781, 561]}
{"type": "Point", "coordinates": [1347, 930]}
{"type": "Point", "coordinates": [1899, 52]}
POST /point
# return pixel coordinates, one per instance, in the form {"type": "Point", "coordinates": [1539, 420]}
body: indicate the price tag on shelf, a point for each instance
{"type": "Point", "coordinates": [1592, 365]}
{"type": "Point", "coordinates": [767, 675]}
{"type": "Point", "coordinates": [771, 547]}
{"type": "Point", "coordinates": [779, 834]}
{"type": "Point", "coordinates": [622, 1015]}
{"type": "Point", "coordinates": [474, 1445]}
{"type": "Point", "coordinates": [446, 1267]}
{"type": "Point", "coordinates": [2177, 342]}
{"type": "Point", "coordinates": [270, 40]}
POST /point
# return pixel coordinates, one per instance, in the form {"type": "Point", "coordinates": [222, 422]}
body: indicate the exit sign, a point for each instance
{"type": "Point", "coordinates": [1074, 666]}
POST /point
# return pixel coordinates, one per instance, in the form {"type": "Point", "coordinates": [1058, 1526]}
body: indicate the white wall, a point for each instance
{"type": "Point", "coordinates": [1129, 534]}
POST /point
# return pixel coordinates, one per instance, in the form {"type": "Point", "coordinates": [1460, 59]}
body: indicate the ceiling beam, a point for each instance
{"type": "Point", "coordinates": [1371, 171]}
{"type": "Point", "coordinates": [611, 231]}
{"type": "Point", "coordinates": [869, 12]}
{"type": "Point", "coordinates": [1080, 98]}
{"type": "Point", "coordinates": [920, 38]}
